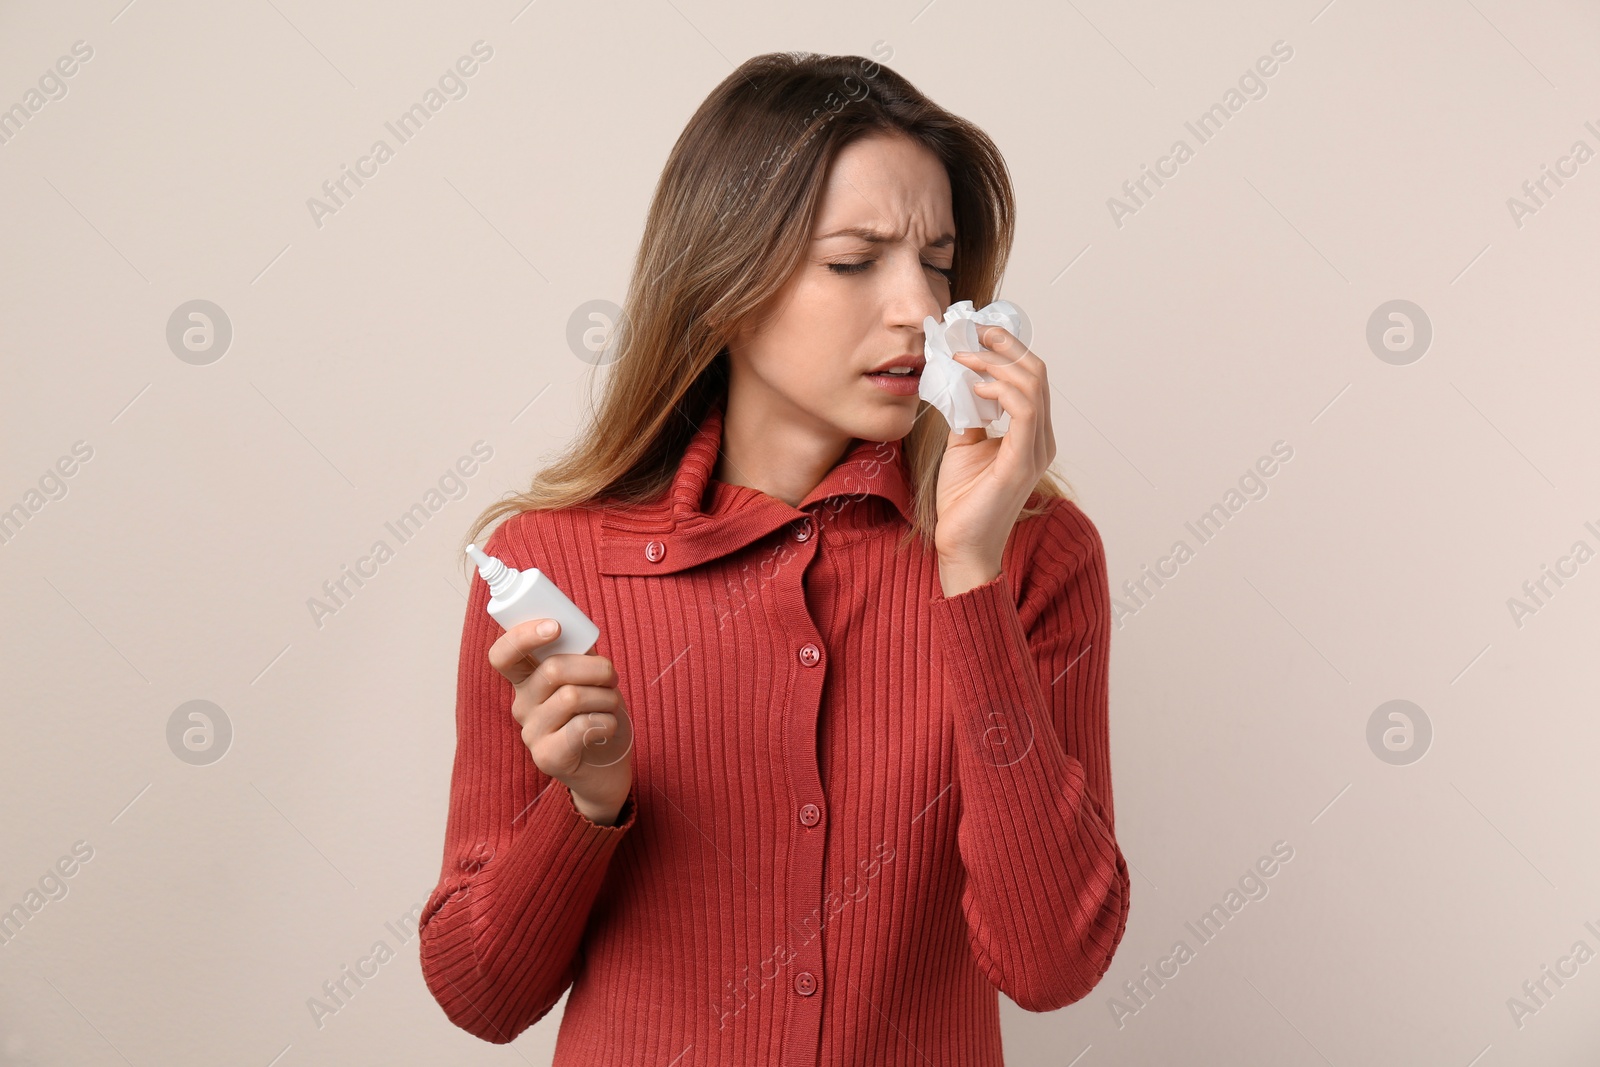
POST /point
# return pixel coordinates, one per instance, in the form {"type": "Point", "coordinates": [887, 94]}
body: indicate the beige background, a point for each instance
{"type": "Point", "coordinates": [429, 313]}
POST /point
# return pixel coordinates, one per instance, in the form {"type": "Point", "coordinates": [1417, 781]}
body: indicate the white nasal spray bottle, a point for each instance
{"type": "Point", "coordinates": [517, 596]}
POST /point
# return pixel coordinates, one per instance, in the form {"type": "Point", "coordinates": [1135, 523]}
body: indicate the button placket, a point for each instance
{"type": "Point", "coordinates": [805, 890]}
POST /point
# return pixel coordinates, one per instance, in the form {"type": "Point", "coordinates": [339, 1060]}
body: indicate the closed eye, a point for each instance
{"type": "Point", "coordinates": [856, 268]}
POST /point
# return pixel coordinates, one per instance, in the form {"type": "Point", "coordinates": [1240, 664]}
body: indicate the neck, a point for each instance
{"type": "Point", "coordinates": [775, 452]}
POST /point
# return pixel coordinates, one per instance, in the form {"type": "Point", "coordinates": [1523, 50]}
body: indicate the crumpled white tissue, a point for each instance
{"type": "Point", "coordinates": [946, 384]}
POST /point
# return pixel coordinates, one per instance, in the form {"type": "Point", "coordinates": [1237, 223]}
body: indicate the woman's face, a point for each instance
{"type": "Point", "coordinates": [878, 262]}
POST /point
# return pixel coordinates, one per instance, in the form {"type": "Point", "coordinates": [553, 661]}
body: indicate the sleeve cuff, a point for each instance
{"type": "Point", "coordinates": [560, 857]}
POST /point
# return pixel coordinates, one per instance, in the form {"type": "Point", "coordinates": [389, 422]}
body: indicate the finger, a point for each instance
{"type": "Point", "coordinates": [606, 737]}
{"type": "Point", "coordinates": [512, 653]}
{"type": "Point", "coordinates": [1018, 373]}
{"type": "Point", "coordinates": [589, 738]}
{"type": "Point", "coordinates": [569, 668]}
{"type": "Point", "coordinates": [592, 738]}
{"type": "Point", "coordinates": [1014, 400]}
{"type": "Point", "coordinates": [1030, 375]}
{"type": "Point", "coordinates": [1017, 377]}
{"type": "Point", "coordinates": [1007, 345]}
{"type": "Point", "coordinates": [573, 702]}
{"type": "Point", "coordinates": [1008, 359]}
{"type": "Point", "coordinates": [1049, 435]}
{"type": "Point", "coordinates": [1024, 422]}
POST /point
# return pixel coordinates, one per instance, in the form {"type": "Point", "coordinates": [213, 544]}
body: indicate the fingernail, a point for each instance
{"type": "Point", "coordinates": [546, 628]}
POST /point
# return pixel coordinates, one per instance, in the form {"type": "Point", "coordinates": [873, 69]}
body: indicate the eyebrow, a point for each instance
{"type": "Point", "coordinates": [867, 233]}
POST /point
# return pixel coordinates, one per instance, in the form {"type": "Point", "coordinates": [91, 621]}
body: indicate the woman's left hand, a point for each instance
{"type": "Point", "coordinates": [984, 481]}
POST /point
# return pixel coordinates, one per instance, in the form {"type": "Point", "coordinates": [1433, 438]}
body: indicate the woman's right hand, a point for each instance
{"type": "Point", "coordinates": [573, 719]}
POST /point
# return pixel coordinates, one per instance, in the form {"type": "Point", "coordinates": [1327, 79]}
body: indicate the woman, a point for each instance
{"type": "Point", "coordinates": [837, 771]}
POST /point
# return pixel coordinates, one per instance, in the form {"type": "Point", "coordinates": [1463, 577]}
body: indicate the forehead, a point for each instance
{"type": "Point", "coordinates": [886, 181]}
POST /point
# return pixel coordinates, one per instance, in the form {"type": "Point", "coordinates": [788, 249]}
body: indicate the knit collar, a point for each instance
{"type": "Point", "coordinates": [700, 518]}
{"type": "Point", "coordinates": [868, 467]}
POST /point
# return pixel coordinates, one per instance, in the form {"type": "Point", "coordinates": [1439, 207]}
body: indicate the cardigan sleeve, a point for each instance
{"type": "Point", "coordinates": [500, 935]}
{"type": "Point", "coordinates": [1047, 889]}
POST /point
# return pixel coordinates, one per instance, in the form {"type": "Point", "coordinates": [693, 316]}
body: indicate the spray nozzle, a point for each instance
{"type": "Point", "coordinates": [496, 573]}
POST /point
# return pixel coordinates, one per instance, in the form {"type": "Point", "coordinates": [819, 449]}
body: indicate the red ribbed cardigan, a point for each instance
{"type": "Point", "coordinates": [859, 807]}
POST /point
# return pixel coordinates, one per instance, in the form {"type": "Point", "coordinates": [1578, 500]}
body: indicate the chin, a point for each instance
{"type": "Point", "coordinates": [883, 420]}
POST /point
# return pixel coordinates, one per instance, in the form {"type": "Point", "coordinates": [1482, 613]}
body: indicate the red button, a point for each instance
{"type": "Point", "coordinates": [805, 983]}
{"type": "Point", "coordinates": [802, 531]}
{"type": "Point", "coordinates": [810, 654]}
{"type": "Point", "coordinates": [809, 814]}
{"type": "Point", "coordinates": [654, 551]}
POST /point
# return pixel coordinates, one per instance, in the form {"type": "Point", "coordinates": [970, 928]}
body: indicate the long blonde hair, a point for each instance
{"type": "Point", "coordinates": [730, 220]}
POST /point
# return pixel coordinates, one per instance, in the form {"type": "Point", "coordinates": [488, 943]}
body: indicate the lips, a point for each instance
{"type": "Point", "coordinates": [897, 384]}
{"type": "Point", "coordinates": [914, 362]}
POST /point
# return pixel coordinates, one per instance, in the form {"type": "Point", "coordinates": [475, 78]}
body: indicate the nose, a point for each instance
{"type": "Point", "coordinates": [915, 291]}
